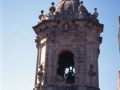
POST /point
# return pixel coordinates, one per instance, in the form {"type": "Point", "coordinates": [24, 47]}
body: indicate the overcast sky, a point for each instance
{"type": "Point", "coordinates": [19, 51]}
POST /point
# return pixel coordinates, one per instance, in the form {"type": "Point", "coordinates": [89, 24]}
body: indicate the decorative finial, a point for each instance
{"type": "Point", "coordinates": [52, 8]}
{"type": "Point", "coordinates": [52, 3]}
{"type": "Point", "coordinates": [42, 12]}
{"type": "Point", "coordinates": [81, 2]}
{"type": "Point", "coordinates": [95, 9]}
{"type": "Point", "coordinates": [41, 15]}
{"type": "Point", "coordinates": [95, 13]}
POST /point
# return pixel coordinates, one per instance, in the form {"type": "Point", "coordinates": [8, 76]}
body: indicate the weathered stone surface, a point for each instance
{"type": "Point", "coordinates": [79, 36]}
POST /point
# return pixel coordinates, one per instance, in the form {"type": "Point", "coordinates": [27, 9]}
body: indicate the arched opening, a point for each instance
{"type": "Point", "coordinates": [65, 62]}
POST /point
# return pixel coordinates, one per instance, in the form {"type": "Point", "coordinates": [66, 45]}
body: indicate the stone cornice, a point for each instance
{"type": "Point", "coordinates": [88, 23]}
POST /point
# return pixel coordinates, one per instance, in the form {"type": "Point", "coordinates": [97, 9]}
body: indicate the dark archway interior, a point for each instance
{"type": "Point", "coordinates": [66, 59]}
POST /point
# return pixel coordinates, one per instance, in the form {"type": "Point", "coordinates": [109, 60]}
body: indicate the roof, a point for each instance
{"type": "Point", "coordinates": [68, 6]}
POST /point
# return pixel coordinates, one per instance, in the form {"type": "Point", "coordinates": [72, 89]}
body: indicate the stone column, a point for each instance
{"type": "Point", "coordinates": [38, 45]}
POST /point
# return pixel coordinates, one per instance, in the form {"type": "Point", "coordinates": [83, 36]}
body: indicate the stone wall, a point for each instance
{"type": "Point", "coordinates": [82, 38]}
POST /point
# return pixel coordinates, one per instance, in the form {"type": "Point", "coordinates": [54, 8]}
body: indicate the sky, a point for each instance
{"type": "Point", "coordinates": [18, 48]}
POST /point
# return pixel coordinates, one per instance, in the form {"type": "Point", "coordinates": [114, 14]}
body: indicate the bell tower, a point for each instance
{"type": "Point", "coordinates": [68, 40]}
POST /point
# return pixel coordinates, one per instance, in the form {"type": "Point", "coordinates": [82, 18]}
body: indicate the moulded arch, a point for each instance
{"type": "Point", "coordinates": [65, 48]}
{"type": "Point", "coordinates": [59, 52]}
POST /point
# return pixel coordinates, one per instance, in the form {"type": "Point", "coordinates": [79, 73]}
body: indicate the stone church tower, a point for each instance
{"type": "Point", "coordinates": [68, 40]}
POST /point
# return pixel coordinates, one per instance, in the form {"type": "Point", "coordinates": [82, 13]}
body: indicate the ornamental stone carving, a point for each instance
{"type": "Point", "coordinates": [91, 73]}
{"type": "Point", "coordinates": [40, 75]}
{"type": "Point", "coordinates": [68, 36]}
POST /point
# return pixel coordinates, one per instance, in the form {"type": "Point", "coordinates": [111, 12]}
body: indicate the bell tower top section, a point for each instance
{"type": "Point", "coordinates": [68, 9]}
{"type": "Point", "coordinates": [71, 9]}
{"type": "Point", "coordinates": [68, 40]}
